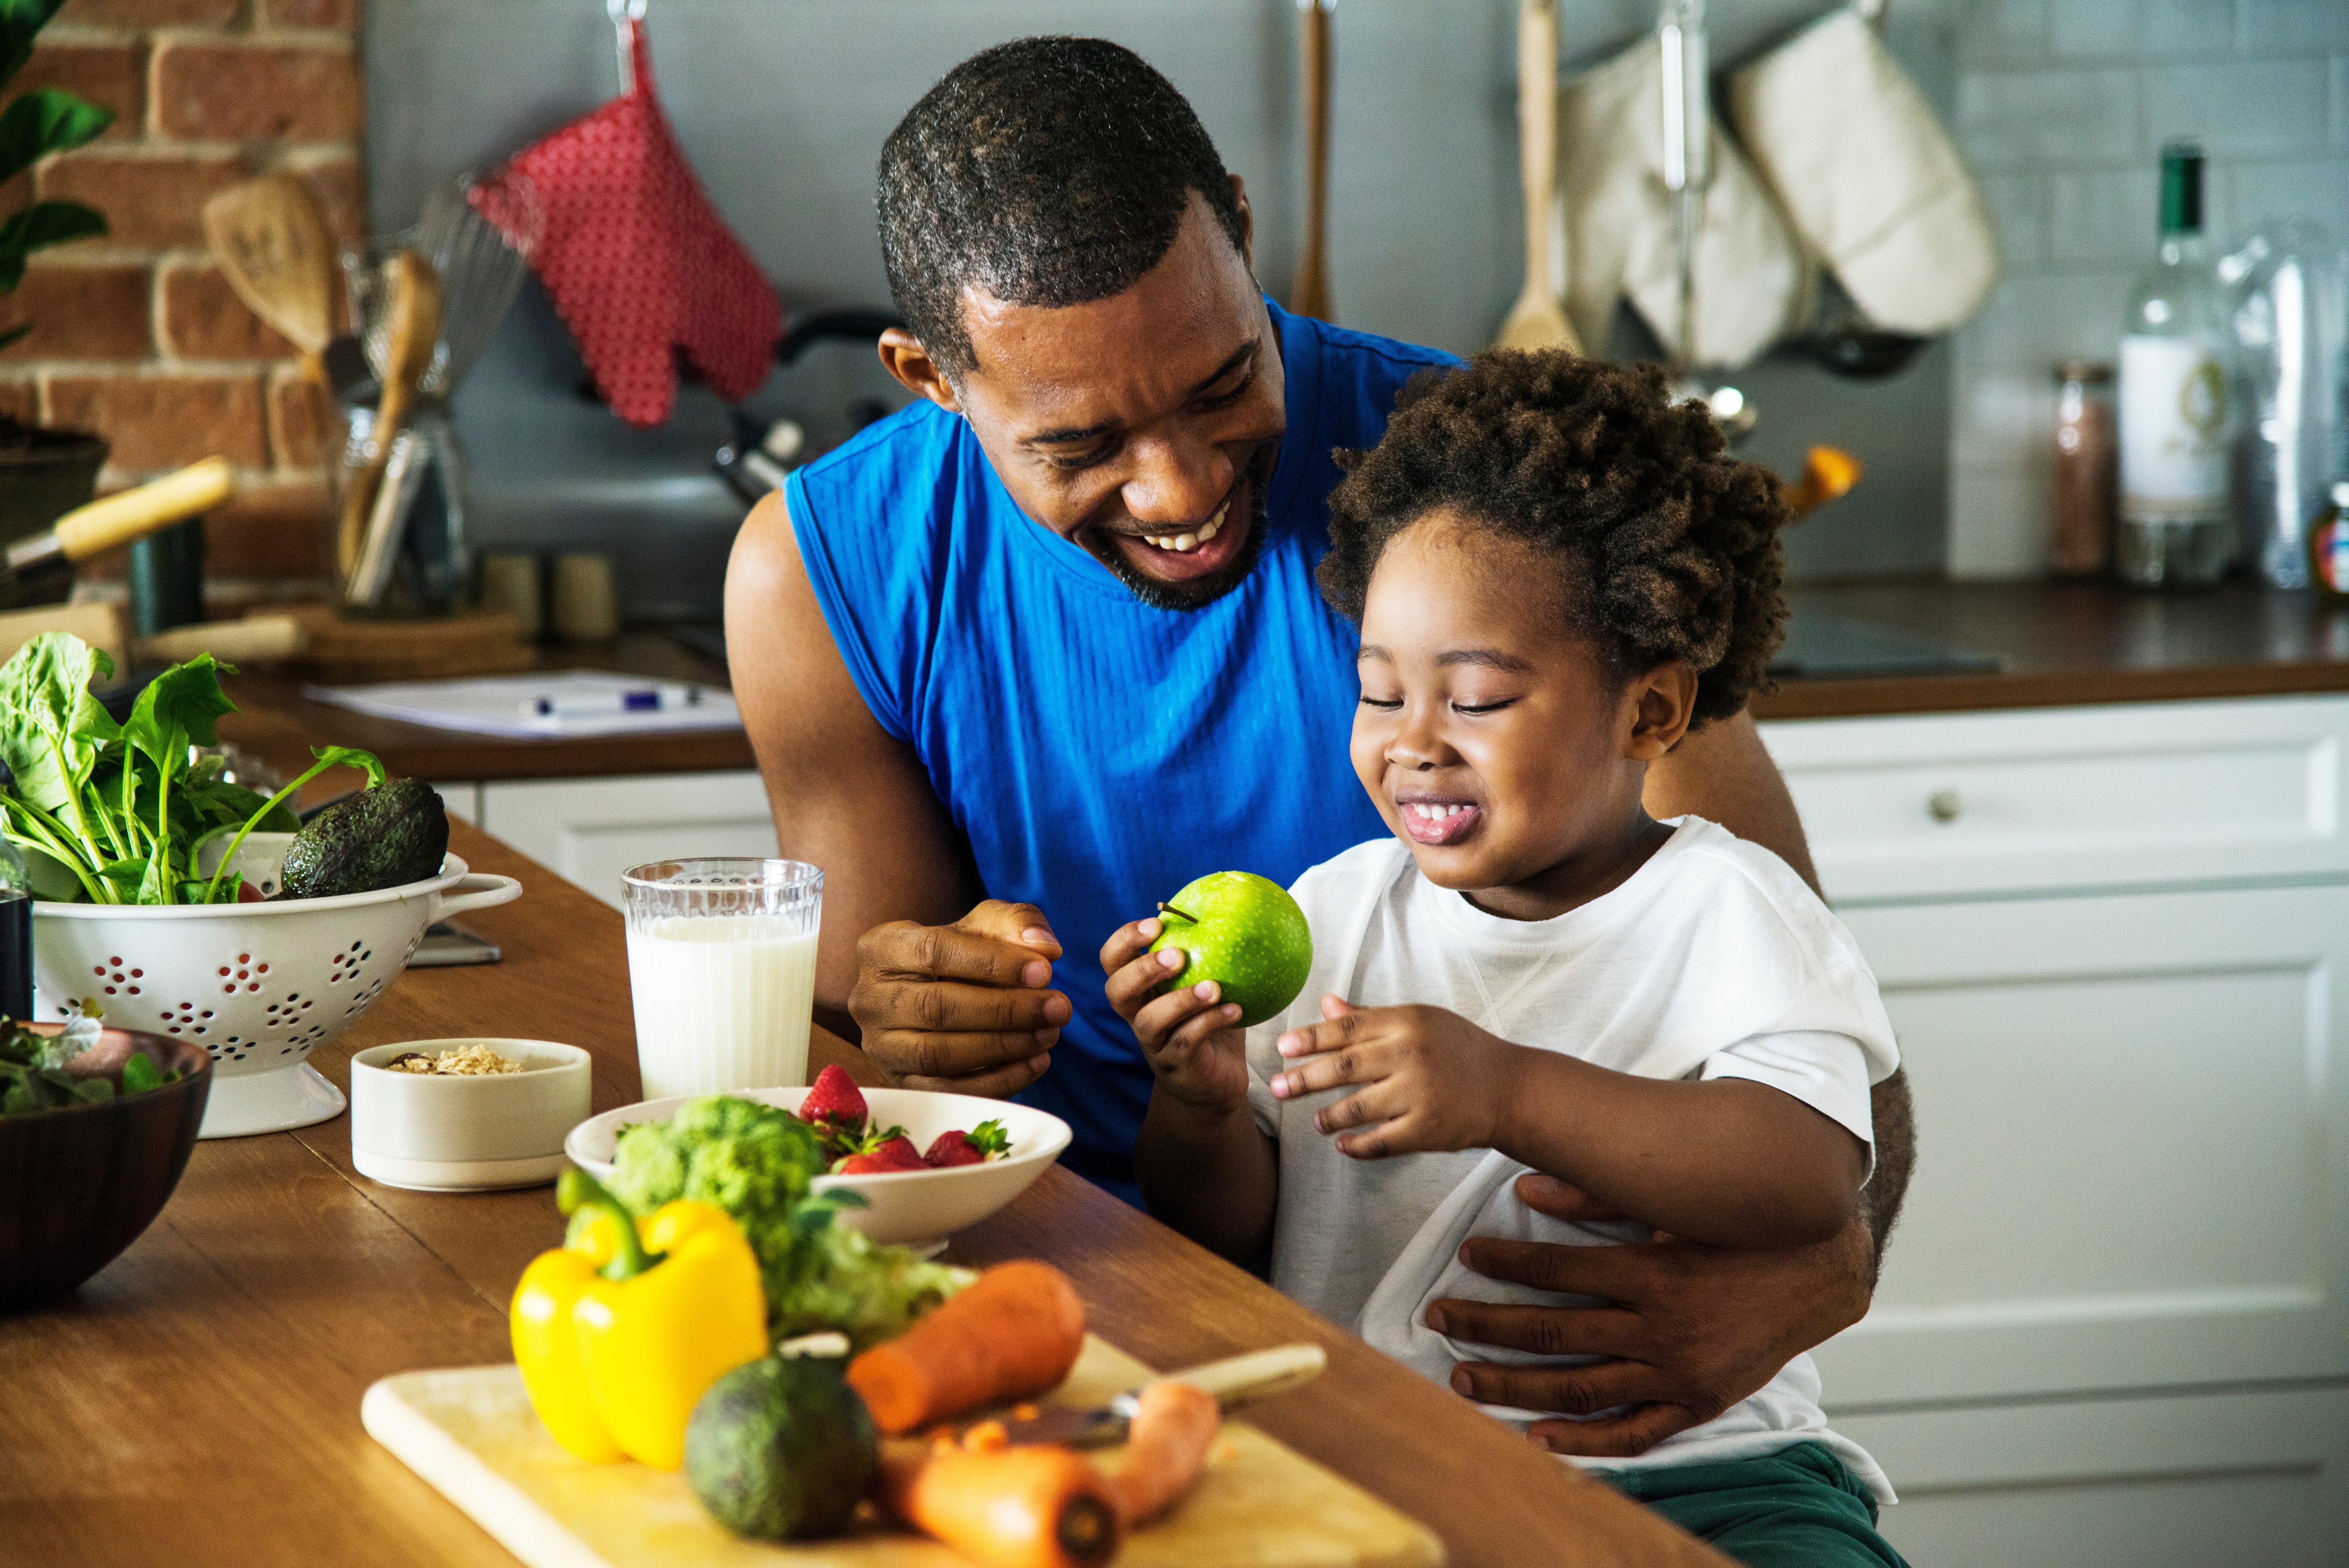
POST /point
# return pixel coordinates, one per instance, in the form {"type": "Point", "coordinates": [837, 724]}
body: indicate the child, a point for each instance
{"type": "Point", "coordinates": [1556, 574]}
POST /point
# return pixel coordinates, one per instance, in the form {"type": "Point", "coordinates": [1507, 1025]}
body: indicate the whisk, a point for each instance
{"type": "Point", "coordinates": [479, 232]}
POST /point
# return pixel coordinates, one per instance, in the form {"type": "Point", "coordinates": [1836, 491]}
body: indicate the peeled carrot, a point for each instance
{"type": "Point", "coordinates": [1166, 1446]}
{"type": "Point", "coordinates": [1014, 1331]}
{"type": "Point", "coordinates": [1009, 1508]}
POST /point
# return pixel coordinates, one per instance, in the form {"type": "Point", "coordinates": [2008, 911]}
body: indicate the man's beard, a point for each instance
{"type": "Point", "coordinates": [1199, 592]}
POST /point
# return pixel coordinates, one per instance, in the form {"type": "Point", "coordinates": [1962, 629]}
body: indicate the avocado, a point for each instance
{"type": "Point", "coordinates": [782, 1449]}
{"type": "Point", "coordinates": [388, 836]}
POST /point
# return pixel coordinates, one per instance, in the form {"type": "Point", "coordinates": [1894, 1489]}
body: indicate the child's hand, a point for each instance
{"type": "Point", "coordinates": [1189, 1038]}
{"type": "Point", "coordinates": [1431, 1079]}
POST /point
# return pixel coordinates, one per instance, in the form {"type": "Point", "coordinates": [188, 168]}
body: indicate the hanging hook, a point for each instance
{"type": "Point", "coordinates": [623, 14]}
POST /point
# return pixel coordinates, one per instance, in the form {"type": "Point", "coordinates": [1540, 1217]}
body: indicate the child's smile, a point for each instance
{"type": "Point", "coordinates": [1493, 737]}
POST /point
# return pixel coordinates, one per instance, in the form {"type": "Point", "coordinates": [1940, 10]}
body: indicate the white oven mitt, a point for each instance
{"type": "Point", "coordinates": [1753, 281]}
{"type": "Point", "coordinates": [1855, 157]}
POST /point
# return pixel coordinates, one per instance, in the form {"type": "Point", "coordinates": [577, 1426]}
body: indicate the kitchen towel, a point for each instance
{"type": "Point", "coordinates": [1868, 176]}
{"type": "Point", "coordinates": [1754, 283]}
{"type": "Point", "coordinates": [639, 262]}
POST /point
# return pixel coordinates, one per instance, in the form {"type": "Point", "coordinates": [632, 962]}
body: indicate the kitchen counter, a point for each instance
{"type": "Point", "coordinates": [2076, 643]}
{"type": "Point", "coordinates": [197, 1402]}
{"type": "Point", "coordinates": [278, 723]}
{"type": "Point", "coordinates": [2059, 644]}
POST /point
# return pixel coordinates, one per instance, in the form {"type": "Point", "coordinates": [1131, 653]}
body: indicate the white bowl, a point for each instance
{"type": "Point", "coordinates": [257, 985]}
{"type": "Point", "coordinates": [475, 1132]}
{"type": "Point", "coordinates": [904, 1207]}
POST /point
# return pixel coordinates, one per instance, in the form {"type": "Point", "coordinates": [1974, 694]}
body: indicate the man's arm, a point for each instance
{"type": "Point", "coordinates": [931, 992]}
{"type": "Point", "coordinates": [1722, 772]}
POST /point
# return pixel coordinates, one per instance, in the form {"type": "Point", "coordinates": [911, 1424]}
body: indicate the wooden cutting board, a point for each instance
{"type": "Point", "coordinates": [471, 1433]}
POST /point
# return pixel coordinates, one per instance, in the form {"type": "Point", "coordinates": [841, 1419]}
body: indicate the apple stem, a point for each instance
{"type": "Point", "coordinates": [1170, 909]}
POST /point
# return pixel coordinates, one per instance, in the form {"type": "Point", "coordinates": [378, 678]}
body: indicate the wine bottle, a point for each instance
{"type": "Point", "coordinates": [2177, 525]}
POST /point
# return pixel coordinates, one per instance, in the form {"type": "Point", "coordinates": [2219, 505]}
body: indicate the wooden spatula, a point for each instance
{"type": "Point", "coordinates": [1537, 320]}
{"type": "Point", "coordinates": [273, 246]}
{"type": "Point", "coordinates": [1309, 296]}
{"type": "Point", "coordinates": [412, 326]}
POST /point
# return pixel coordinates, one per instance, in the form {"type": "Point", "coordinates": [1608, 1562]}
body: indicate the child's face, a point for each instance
{"type": "Point", "coordinates": [1492, 739]}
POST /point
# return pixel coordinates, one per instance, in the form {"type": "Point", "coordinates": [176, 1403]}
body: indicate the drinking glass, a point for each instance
{"type": "Point", "coordinates": [721, 969]}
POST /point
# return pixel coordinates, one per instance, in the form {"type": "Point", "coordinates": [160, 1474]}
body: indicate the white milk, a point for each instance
{"type": "Point", "coordinates": [722, 1001]}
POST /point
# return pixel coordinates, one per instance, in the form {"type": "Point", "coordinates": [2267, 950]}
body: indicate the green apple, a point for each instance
{"type": "Point", "coordinates": [1244, 932]}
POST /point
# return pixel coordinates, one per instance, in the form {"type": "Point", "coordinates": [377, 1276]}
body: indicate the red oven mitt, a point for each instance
{"type": "Point", "coordinates": [637, 260]}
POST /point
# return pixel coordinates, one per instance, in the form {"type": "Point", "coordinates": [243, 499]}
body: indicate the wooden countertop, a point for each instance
{"type": "Point", "coordinates": [2078, 643]}
{"type": "Point", "coordinates": [197, 1403]}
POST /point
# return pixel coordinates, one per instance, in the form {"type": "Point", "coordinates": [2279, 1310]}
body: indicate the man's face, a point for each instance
{"type": "Point", "coordinates": [1142, 427]}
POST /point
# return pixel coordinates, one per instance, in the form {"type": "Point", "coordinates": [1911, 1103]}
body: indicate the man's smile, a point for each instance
{"type": "Point", "coordinates": [1189, 553]}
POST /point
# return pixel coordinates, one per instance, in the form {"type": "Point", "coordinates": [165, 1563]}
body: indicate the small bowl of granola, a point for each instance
{"type": "Point", "coordinates": [471, 1114]}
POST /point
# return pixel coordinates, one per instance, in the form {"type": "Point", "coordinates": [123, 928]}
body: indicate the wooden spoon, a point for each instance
{"type": "Point", "coordinates": [1537, 320]}
{"type": "Point", "coordinates": [412, 316]}
{"type": "Point", "coordinates": [1309, 296]}
{"type": "Point", "coordinates": [273, 246]}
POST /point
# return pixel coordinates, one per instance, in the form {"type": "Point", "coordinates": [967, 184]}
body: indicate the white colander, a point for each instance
{"type": "Point", "coordinates": [257, 985]}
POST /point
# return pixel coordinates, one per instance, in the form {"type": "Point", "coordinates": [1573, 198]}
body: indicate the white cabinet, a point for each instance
{"type": "Point", "coordinates": [2114, 1324]}
{"type": "Point", "coordinates": [591, 830]}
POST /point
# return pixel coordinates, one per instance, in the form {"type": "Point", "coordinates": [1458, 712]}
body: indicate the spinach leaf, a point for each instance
{"type": "Point", "coordinates": [52, 731]}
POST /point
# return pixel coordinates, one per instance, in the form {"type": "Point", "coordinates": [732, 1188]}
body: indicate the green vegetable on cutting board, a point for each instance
{"type": "Point", "coordinates": [124, 808]}
{"type": "Point", "coordinates": [781, 1449]}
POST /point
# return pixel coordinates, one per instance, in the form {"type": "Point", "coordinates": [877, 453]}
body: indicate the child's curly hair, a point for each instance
{"type": "Point", "coordinates": [1668, 548]}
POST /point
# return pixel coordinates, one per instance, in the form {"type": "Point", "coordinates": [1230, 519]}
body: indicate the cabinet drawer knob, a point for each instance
{"type": "Point", "coordinates": [1944, 806]}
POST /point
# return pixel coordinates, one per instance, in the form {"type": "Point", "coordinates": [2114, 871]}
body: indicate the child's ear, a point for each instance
{"type": "Point", "coordinates": [1660, 704]}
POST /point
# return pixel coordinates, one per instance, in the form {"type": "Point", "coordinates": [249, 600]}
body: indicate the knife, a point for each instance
{"type": "Point", "coordinates": [118, 519]}
{"type": "Point", "coordinates": [1232, 1381]}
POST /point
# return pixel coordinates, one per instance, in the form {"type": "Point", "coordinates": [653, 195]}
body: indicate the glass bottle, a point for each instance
{"type": "Point", "coordinates": [15, 935]}
{"type": "Point", "coordinates": [2082, 544]}
{"type": "Point", "coordinates": [2177, 526]}
{"type": "Point", "coordinates": [2288, 310]}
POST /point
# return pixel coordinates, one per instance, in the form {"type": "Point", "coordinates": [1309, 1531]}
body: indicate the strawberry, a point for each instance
{"type": "Point", "coordinates": [986, 1141]}
{"type": "Point", "coordinates": [897, 1153]}
{"type": "Point", "coordinates": [834, 1099]}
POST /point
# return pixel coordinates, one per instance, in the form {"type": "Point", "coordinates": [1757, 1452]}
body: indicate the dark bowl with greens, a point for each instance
{"type": "Point", "coordinates": [93, 1145]}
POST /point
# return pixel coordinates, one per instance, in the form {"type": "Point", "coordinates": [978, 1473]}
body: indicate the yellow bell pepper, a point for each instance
{"type": "Point", "coordinates": [620, 1335]}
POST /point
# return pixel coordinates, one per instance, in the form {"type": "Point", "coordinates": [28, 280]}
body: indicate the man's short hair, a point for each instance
{"type": "Point", "coordinates": [1042, 172]}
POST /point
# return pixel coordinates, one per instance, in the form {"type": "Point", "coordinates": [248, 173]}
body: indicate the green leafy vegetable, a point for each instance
{"type": "Point", "coordinates": [36, 1070]}
{"type": "Point", "coordinates": [756, 1162]}
{"type": "Point", "coordinates": [127, 808]}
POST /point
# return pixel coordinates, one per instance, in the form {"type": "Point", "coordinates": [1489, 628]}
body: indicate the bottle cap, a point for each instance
{"type": "Point", "coordinates": [2089, 370]}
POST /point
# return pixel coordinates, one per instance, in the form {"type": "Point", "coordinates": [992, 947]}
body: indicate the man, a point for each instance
{"type": "Point", "coordinates": [1030, 655]}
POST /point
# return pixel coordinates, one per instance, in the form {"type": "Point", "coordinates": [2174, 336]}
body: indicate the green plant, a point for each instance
{"type": "Point", "coordinates": [33, 125]}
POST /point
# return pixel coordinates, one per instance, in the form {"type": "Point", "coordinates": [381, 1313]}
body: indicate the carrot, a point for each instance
{"type": "Point", "coordinates": [1013, 1332]}
{"type": "Point", "coordinates": [1174, 1427]}
{"type": "Point", "coordinates": [1011, 1507]}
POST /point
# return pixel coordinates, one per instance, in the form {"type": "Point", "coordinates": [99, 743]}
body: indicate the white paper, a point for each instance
{"type": "Point", "coordinates": [493, 704]}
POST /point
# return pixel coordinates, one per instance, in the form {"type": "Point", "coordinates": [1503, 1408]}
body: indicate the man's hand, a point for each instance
{"type": "Point", "coordinates": [1431, 1079]}
{"type": "Point", "coordinates": [1190, 1038]}
{"type": "Point", "coordinates": [962, 1008]}
{"type": "Point", "coordinates": [1690, 1330]}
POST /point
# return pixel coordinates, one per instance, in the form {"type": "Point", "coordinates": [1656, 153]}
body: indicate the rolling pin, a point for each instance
{"type": "Point", "coordinates": [118, 519]}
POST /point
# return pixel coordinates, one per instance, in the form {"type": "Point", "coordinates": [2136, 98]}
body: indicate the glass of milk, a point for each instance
{"type": "Point", "coordinates": [722, 967]}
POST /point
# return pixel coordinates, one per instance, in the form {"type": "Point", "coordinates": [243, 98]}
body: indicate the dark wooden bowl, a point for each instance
{"type": "Point", "coordinates": [78, 1185]}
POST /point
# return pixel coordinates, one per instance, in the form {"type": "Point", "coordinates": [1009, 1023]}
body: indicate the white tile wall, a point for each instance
{"type": "Point", "coordinates": [2062, 107]}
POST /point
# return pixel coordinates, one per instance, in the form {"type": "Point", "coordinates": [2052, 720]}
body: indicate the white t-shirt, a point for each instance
{"type": "Point", "coordinates": [1714, 960]}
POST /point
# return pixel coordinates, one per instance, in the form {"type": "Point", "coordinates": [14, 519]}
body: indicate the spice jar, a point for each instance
{"type": "Point", "coordinates": [2087, 454]}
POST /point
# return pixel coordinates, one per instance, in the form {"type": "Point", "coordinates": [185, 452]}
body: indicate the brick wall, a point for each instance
{"type": "Point", "coordinates": [136, 336]}
{"type": "Point", "coordinates": [2063, 106]}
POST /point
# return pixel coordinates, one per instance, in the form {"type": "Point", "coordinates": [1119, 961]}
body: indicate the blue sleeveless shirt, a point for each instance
{"type": "Point", "coordinates": [1096, 753]}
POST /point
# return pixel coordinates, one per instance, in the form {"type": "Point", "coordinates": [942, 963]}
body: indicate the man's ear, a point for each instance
{"type": "Point", "coordinates": [1247, 222]}
{"type": "Point", "coordinates": [1660, 705]}
{"type": "Point", "coordinates": [903, 356]}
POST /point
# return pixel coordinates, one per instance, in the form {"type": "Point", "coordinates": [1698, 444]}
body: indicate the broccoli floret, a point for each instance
{"type": "Point", "coordinates": [756, 1162]}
